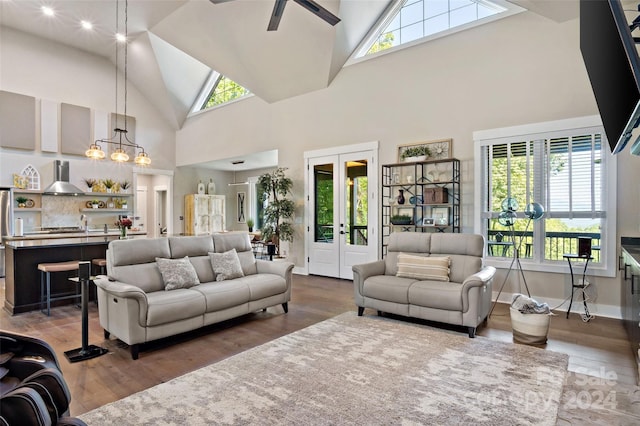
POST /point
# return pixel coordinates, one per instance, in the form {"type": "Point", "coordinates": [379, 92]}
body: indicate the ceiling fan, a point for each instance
{"type": "Point", "coordinates": [278, 9]}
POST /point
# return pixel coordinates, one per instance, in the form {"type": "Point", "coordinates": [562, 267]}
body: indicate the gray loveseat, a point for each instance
{"type": "Point", "coordinates": [464, 300]}
{"type": "Point", "coordinates": [135, 307]}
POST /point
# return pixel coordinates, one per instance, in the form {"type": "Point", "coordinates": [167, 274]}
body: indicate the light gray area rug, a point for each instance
{"type": "Point", "coordinates": [358, 371]}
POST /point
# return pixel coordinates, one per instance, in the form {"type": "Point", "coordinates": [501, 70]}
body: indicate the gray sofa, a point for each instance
{"type": "Point", "coordinates": [464, 300]}
{"type": "Point", "coordinates": [135, 307]}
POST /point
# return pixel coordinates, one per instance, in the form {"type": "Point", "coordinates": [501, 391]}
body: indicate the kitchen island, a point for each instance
{"type": "Point", "coordinates": [630, 266]}
{"type": "Point", "coordinates": [23, 254]}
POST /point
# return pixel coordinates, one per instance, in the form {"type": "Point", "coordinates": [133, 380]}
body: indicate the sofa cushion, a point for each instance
{"type": "Point", "coordinates": [191, 246]}
{"type": "Point", "coordinates": [264, 285]}
{"type": "Point", "coordinates": [177, 273]}
{"type": "Point", "coordinates": [223, 295]}
{"type": "Point", "coordinates": [437, 295]}
{"type": "Point", "coordinates": [388, 288]}
{"type": "Point", "coordinates": [145, 276]}
{"type": "Point", "coordinates": [407, 242]}
{"type": "Point", "coordinates": [423, 268]}
{"type": "Point", "coordinates": [133, 252]}
{"type": "Point", "coordinates": [170, 306]}
{"type": "Point", "coordinates": [202, 265]}
{"type": "Point", "coordinates": [247, 262]}
{"type": "Point", "coordinates": [226, 265]}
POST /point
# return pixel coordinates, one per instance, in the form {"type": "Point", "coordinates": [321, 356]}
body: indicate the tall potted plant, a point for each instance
{"type": "Point", "coordinates": [277, 216]}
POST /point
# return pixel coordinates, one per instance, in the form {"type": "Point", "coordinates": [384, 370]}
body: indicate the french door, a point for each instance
{"type": "Point", "coordinates": [342, 212]}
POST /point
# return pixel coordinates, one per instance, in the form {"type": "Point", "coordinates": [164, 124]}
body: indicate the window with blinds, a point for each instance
{"type": "Point", "coordinates": [565, 170]}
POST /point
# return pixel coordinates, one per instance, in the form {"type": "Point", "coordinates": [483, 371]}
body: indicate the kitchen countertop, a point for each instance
{"type": "Point", "coordinates": [632, 246]}
{"type": "Point", "coordinates": [68, 240]}
{"type": "Point", "coordinates": [46, 236]}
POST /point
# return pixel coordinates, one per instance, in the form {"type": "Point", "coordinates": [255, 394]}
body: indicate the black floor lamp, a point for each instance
{"type": "Point", "coordinates": [507, 217]}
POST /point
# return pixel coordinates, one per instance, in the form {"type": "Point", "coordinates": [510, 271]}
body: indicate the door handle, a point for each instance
{"type": "Point", "coordinates": [626, 265]}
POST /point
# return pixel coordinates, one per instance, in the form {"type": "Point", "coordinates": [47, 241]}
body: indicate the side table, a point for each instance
{"type": "Point", "coordinates": [581, 285]}
{"type": "Point", "coordinates": [87, 351]}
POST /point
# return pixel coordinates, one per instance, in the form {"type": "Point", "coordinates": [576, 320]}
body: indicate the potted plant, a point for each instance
{"type": "Point", "coordinates": [124, 185]}
{"type": "Point", "coordinates": [250, 224]}
{"type": "Point", "coordinates": [95, 203]}
{"type": "Point", "coordinates": [90, 182]}
{"type": "Point", "coordinates": [401, 219]}
{"type": "Point", "coordinates": [109, 183]}
{"type": "Point", "coordinates": [277, 216]}
{"type": "Point", "coordinates": [415, 153]}
{"type": "Point", "coordinates": [21, 201]}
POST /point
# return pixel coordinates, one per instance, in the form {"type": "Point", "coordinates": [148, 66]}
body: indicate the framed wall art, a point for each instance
{"type": "Point", "coordinates": [241, 206]}
{"type": "Point", "coordinates": [439, 149]}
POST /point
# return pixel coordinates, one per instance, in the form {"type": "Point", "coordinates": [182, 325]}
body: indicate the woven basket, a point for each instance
{"type": "Point", "coordinates": [531, 329]}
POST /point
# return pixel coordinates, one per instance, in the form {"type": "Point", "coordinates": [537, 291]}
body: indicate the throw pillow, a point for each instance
{"type": "Point", "coordinates": [423, 268]}
{"type": "Point", "coordinates": [177, 273]}
{"type": "Point", "coordinates": [226, 265]}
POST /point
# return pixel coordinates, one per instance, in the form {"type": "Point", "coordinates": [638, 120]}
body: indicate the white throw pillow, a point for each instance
{"type": "Point", "coordinates": [423, 268]}
{"type": "Point", "coordinates": [177, 273]}
{"type": "Point", "coordinates": [226, 265]}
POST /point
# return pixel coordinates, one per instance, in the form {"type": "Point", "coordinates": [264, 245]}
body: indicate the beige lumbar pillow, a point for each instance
{"type": "Point", "coordinates": [423, 268]}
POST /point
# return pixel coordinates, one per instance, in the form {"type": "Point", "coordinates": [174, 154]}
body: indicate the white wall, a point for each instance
{"type": "Point", "coordinates": [47, 70]}
{"type": "Point", "coordinates": [519, 70]}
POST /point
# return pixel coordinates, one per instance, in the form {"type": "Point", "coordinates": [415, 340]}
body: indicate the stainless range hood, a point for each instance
{"type": "Point", "coordinates": [61, 185]}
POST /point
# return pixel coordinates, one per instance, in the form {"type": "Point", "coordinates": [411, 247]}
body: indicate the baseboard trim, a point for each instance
{"type": "Point", "coordinates": [597, 309]}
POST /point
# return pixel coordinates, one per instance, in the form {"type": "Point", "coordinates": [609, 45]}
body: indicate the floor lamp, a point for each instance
{"type": "Point", "coordinates": [507, 217]}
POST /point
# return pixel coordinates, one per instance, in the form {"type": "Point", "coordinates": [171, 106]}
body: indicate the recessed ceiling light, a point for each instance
{"type": "Point", "coordinates": [86, 25]}
{"type": "Point", "coordinates": [47, 11]}
{"type": "Point", "coordinates": [120, 38]}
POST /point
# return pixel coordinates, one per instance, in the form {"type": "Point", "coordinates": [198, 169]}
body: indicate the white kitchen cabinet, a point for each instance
{"type": "Point", "coordinates": [204, 214]}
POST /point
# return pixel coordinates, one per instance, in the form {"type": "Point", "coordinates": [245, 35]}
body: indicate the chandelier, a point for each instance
{"type": "Point", "coordinates": [119, 137]}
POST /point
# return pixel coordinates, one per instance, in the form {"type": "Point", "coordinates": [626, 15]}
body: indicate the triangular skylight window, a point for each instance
{"type": "Point", "coordinates": [419, 20]}
{"type": "Point", "coordinates": [221, 90]}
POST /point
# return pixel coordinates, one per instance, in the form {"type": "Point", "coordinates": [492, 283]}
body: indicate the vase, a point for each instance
{"type": "Point", "coordinates": [401, 196]}
{"type": "Point", "coordinates": [123, 232]}
{"type": "Point", "coordinates": [200, 188]}
{"type": "Point", "coordinates": [211, 187]}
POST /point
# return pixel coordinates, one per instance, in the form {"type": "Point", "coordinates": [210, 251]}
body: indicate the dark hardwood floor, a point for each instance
{"type": "Point", "coordinates": [596, 348]}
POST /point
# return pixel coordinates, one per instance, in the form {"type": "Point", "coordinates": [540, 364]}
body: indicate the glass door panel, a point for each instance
{"type": "Point", "coordinates": [323, 200]}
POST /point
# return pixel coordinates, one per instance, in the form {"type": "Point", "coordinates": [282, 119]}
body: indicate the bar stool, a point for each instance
{"type": "Point", "coordinates": [46, 269]}
{"type": "Point", "coordinates": [101, 264]}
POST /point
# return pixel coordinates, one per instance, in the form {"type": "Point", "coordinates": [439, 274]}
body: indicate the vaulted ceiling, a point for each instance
{"type": "Point", "coordinates": [175, 43]}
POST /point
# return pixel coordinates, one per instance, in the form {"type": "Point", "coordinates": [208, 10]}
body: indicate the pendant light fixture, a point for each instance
{"type": "Point", "coordinates": [119, 137]}
{"type": "Point", "coordinates": [234, 183]}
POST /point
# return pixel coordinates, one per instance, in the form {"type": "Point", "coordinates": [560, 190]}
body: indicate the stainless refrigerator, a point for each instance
{"type": "Point", "coordinates": [6, 221]}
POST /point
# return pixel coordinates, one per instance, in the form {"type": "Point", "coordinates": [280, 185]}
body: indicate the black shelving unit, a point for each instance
{"type": "Point", "coordinates": [431, 191]}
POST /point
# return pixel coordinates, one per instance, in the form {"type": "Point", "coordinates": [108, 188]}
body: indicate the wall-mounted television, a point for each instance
{"type": "Point", "coordinates": [611, 58]}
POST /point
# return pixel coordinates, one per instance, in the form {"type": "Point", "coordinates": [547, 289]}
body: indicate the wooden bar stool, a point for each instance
{"type": "Point", "coordinates": [46, 269]}
{"type": "Point", "coordinates": [101, 264]}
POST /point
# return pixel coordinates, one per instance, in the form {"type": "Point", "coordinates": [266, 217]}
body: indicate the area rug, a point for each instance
{"type": "Point", "coordinates": [358, 371]}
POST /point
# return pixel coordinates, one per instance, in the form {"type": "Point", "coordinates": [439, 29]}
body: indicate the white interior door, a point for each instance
{"type": "Point", "coordinates": [324, 249]}
{"type": "Point", "coordinates": [342, 213]}
{"type": "Point", "coordinates": [140, 213]}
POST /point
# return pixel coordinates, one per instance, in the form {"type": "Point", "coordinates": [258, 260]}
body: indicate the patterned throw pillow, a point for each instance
{"type": "Point", "coordinates": [226, 265]}
{"type": "Point", "coordinates": [177, 273]}
{"type": "Point", "coordinates": [423, 268]}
